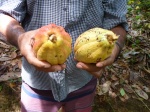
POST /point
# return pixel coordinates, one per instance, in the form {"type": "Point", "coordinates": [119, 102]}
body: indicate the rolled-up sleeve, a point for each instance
{"type": "Point", "coordinates": [115, 14]}
{"type": "Point", "coordinates": [14, 8]}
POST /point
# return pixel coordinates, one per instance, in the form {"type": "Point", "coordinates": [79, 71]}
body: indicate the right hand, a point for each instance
{"type": "Point", "coordinates": [25, 45]}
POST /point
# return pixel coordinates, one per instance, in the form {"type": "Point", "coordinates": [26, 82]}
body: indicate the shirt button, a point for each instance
{"type": "Point", "coordinates": [65, 9]}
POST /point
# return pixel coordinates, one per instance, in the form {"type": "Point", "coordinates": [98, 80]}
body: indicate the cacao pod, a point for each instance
{"type": "Point", "coordinates": [52, 44]}
{"type": "Point", "coordinates": [94, 45]}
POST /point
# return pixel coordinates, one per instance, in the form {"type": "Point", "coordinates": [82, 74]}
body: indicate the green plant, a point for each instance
{"type": "Point", "coordinates": [139, 10]}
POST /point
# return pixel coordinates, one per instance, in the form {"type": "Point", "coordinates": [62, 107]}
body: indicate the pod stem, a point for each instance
{"type": "Point", "coordinates": [53, 38]}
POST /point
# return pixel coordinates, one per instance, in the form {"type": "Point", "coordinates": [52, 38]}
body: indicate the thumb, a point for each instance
{"type": "Point", "coordinates": [32, 59]}
{"type": "Point", "coordinates": [37, 63]}
{"type": "Point", "coordinates": [104, 63]}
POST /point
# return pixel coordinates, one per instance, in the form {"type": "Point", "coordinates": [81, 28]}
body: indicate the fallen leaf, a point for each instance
{"type": "Point", "coordinates": [134, 33]}
{"type": "Point", "coordinates": [19, 64]}
{"type": "Point", "coordinates": [114, 84]}
{"type": "Point", "coordinates": [114, 78]}
{"type": "Point", "coordinates": [10, 75]}
{"type": "Point", "coordinates": [126, 97]}
{"type": "Point", "coordinates": [112, 94]}
{"type": "Point", "coordinates": [3, 69]}
{"type": "Point", "coordinates": [128, 89]}
{"type": "Point", "coordinates": [128, 54]}
{"type": "Point", "coordinates": [4, 45]}
{"type": "Point", "coordinates": [146, 89]}
{"type": "Point", "coordinates": [122, 92]}
{"type": "Point", "coordinates": [13, 55]}
{"type": "Point", "coordinates": [147, 70]}
{"type": "Point", "coordinates": [134, 75]}
{"type": "Point", "coordinates": [135, 86]}
{"type": "Point", "coordinates": [12, 84]}
{"type": "Point", "coordinates": [5, 58]}
{"type": "Point", "coordinates": [141, 93]}
{"type": "Point", "coordinates": [122, 99]}
{"type": "Point", "coordinates": [104, 88]}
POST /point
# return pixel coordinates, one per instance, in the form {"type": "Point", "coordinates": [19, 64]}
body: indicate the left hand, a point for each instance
{"type": "Point", "coordinates": [97, 69]}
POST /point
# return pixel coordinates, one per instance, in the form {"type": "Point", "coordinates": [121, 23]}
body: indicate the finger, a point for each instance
{"type": "Point", "coordinates": [58, 67]}
{"type": "Point", "coordinates": [37, 63]}
{"type": "Point", "coordinates": [42, 65]}
{"type": "Point", "coordinates": [106, 62]}
{"type": "Point", "coordinates": [53, 68]}
{"type": "Point", "coordinates": [34, 61]}
{"type": "Point", "coordinates": [88, 67]}
{"type": "Point", "coordinates": [97, 74]}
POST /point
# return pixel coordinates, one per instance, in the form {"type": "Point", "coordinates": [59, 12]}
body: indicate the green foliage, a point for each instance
{"type": "Point", "coordinates": [139, 10]}
{"type": "Point", "coordinates": [1, 87]}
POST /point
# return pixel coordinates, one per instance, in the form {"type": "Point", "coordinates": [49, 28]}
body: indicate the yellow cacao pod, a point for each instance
{"type": "Point", "coordinates": [94, 45]}
{"type": "Point", "coordinates": [52, 44]}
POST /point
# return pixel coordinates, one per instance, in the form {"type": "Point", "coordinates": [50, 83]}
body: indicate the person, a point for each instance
{"type": "Point", "coordinates": [45, 87]}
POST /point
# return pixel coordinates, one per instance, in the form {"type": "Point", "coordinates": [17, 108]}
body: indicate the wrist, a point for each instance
{"type": "Point", "coordinates": [119, 46]}
{"type": "Point", "coordinates": [16, 33]}
{"type": "Point", "coordinates": [119, 30]}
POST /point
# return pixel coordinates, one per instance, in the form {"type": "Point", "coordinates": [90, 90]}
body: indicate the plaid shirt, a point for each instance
{"type": "Point", "coordinates": [76, 16]}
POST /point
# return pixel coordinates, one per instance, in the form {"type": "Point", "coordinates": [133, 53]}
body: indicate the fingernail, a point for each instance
{"type": "Point", "coordinates": [99, 65]}
{"type": "Point", "coordinates": [64, 66]}
{"type": "Point", "coordinates": [79, 66]}
{"type": "Point", "coordinates": [47, 66]}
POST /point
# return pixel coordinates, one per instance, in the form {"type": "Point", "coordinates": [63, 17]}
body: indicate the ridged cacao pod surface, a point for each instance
{"type": "Point", "coordinates": [94, 45]}
{"type": "Point", "coordinates": [52, 44]}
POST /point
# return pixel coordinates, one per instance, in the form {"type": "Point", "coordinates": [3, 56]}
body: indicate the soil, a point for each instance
{"type": "Point", "coordinates": [9, 99]}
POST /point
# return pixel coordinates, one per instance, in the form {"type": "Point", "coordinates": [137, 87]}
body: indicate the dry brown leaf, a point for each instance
{"type": "Point", "coordinates": [147, 70]}
{"type": "Point", "coordinates": [4, 45]}
{"type": "Point", "coordinates": [128, 89]}
{"type": "Point", "coordinates": [135, 86]}
{"type": "Point", "coordinates": [126, 97]}
{"type": "Point", "coordinates": [10, 75]}
{"type": "Point", "coordinates": [13, 55]}
{"type": "Point", "coordinates": [3, 69]}
{"type": "Point", "coordinates": [19, 64]}
{"type": "Point", "coordinates": [114, 78]}
{"type": "Point", "coordinates": [134, 75]}
{"type": "Point", "coordinates": [2, 59]}
{"type": "Point", "coordinates": [122, 99]}
{"type": "Point", "coordinates": [104, 88]}
{"type": "Point", "coordinates": [112, 94]}
{"type": "Point", "coordinates": [141, 93]}
{"type": "Point", "coordinates": [12, 84]}
{"type": "Point", "coordinates": [146, 89]}
{"type": "Point", "coordinates": [114, 84]}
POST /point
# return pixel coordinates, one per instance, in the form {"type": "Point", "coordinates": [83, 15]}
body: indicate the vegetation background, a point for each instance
{"type": "Point", "coordinates": [124, 86]}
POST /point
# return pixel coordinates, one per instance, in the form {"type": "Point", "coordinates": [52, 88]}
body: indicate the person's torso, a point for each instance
{"type": "Point", "coordinates": [76, 16]}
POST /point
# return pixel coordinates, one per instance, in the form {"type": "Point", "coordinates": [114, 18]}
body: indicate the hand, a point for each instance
{"type": "Point", "coordinates": [25, 44]}
{"type": "Point", "coordinates": [97, 69]}
{"type": "Point", "coordinates": [91, 68]}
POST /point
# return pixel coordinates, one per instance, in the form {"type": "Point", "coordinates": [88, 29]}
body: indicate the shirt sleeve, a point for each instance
{"type": "Point", "coordinates": [115, 13]}
{"type": "Point", "coordinates": [13, 8]}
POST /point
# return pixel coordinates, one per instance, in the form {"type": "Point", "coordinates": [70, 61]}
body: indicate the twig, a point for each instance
{"type": "Point", "coordinates": [111, 106]}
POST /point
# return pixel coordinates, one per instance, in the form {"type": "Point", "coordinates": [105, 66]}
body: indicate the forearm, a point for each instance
{"type": "Point", "coordinates": [11, 29]}
{"type": "Point", "coordinates": [120, 31]}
